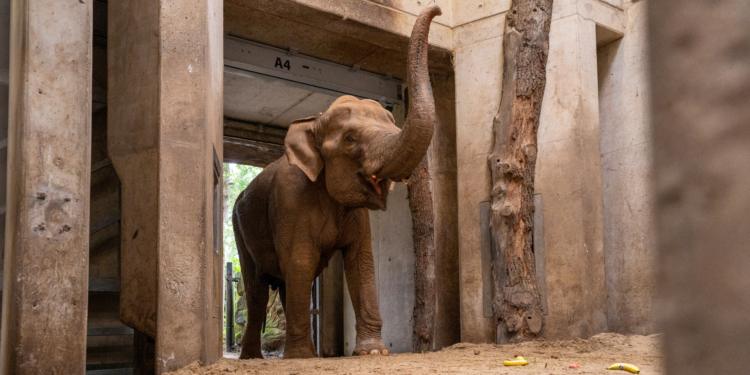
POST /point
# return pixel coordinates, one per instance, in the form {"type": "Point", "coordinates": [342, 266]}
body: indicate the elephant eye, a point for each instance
{"type": "Point", "coordinates": [349, 139]}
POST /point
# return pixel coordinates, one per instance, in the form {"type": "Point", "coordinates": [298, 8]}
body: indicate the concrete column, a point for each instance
{"type": "Point", "coordinates": [165, 131]}
{"type": "Point", "coordinates": [479, 73]}
{"type": "Point", "coordinates": [568, 176]}
{"type": "Point", "coordinates": [47, 231]}
{"type": "Point", "coordinates": [701, 134]}
{"type": "Point", "coordinates": [626, 177]}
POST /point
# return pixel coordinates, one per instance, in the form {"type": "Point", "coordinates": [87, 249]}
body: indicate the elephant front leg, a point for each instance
{"type": "Point", "coordinates": [360, 277]}
{"type": "Point", "coordinates": [299, 274]}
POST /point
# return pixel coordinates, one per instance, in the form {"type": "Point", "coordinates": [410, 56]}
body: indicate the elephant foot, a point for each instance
{"type": "Point", "coordinates": [370, 347]}
{"type": "Point", "coordinates": [250, 353]}
{"type": "Point", "coordinates": [300, 352]}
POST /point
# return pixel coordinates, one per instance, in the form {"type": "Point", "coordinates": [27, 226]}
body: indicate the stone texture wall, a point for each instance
{"type": "Point", "coordinates": [626, 177]}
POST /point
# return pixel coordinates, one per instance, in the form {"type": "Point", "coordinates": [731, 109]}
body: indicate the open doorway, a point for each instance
{"type": "Point", "coordinates": [236, 177]}
{"type": "Point", "coordinates": [265, 89]}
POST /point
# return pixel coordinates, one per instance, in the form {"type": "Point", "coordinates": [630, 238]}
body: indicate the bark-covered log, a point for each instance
{"type": "Point", "coordinates": [420, 203]}
{"type": "Point", "coordinates": [517, 304]}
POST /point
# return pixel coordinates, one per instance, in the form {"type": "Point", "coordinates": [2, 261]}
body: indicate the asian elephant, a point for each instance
{"type": "Point", "coordinates": [313, 201]}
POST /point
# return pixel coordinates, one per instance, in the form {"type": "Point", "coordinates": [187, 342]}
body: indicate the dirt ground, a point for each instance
{"type": "Point", "coordinates": [545, 357]}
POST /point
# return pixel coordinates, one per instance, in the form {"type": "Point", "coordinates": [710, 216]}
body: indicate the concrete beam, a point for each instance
{"type": "Point", "coordinates": [701, 133]}
{"type": "Point", "coordinates": [165, 140]}
{"type": "Point", "coordinates": [49, 145]}
{"type": "Point", "coordinates": [391, 19]}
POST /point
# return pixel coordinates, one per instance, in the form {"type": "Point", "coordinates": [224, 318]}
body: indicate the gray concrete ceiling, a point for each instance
{"type": "Point", "coordinates": [268, 100]}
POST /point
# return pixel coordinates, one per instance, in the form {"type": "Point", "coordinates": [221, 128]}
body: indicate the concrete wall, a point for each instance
{"type": "Point", "coordinates": [626, 172]}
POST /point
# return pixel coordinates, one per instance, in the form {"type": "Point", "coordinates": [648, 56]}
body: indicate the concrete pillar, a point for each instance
{"type": "Point", "coordinates": [701, 132]}
{"type": "Point", "coordinates": [626, 149]}
{"type": "Point", "coordinates": [47, 230]}
{"type": "Point", "coordinates": [479, 71]}
{"type": "Point", "coordinates": [165, 137]}
{"type": "Point", "coordinates": [568, 176]}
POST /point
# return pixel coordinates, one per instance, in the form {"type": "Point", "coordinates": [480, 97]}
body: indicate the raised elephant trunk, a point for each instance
{"type": "Point", "coordinates": [404, 150]}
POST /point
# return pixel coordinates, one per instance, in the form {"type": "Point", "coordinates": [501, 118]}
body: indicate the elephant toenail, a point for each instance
{"type": "Point", "coordinates": [384, 352]}
{"type": "Point", "coordinates": [374, 352]}
{"type": "Point", "coordinates": [363, 353]}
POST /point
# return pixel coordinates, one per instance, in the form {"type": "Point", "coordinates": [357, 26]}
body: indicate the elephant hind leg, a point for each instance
{"type": "Point", "coordinates": [256, 294]}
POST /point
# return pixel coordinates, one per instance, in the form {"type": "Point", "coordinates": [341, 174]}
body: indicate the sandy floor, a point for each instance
{"type": "Point", "coordinates": [545, 357]}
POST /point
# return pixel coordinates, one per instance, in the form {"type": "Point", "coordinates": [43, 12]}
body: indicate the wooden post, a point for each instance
{"type": "Point", "coordinates": [420, 204]}
{"type": "Point", "coordinates": [47, 231]}
{"type": "Point", "coordinates": [517, 304]}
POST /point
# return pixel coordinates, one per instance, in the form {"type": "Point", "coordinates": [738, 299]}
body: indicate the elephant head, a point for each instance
{"type": "Point", "coordinates": [356, 142]}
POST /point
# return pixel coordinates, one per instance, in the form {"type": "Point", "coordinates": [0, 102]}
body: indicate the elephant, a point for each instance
{"type": "Point", "coordinates": [314, 201]}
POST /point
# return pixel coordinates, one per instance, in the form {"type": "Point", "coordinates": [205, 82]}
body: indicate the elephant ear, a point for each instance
{"type": "Point", "coordinates": [300, 147]}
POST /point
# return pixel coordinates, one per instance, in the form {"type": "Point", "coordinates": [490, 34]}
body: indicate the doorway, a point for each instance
{"type": "Point", "coordinates": [265, 89]}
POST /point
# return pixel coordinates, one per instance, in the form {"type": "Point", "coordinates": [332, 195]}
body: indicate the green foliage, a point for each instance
{"type": "Point", "coordinates": [236, 178]}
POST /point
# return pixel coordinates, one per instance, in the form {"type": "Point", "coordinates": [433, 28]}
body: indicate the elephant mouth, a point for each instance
{"type": "Point", "coordinates": [377, 187]}
{"type": "Point", "coordinates": [376, 184]}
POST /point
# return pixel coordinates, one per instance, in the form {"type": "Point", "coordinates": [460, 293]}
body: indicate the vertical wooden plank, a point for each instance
{"type": "Point", "coordinates": [49, 146]}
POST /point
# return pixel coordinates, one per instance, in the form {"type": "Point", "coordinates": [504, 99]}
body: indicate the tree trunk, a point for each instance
{"type": "Point", "coordinates": [517, 304]}
{"type": "Point", "coordinates": [420, 204]}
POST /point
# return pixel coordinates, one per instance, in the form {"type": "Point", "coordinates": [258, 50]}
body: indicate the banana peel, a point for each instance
{"type": "Point", "coordinates": [624, 367]}
{"type": "Point", "coordinates": [519, 361]}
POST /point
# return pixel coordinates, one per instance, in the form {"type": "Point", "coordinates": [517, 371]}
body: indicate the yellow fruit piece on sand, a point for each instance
{"type": "Point", "coordinates": [519, 361]}
{"type": "Point", "coordinates": [625, 367]}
